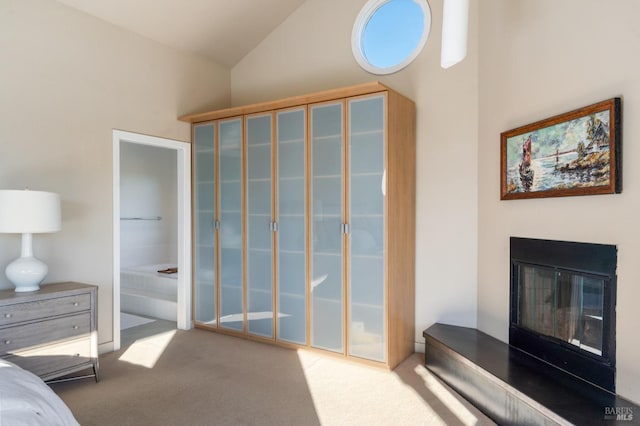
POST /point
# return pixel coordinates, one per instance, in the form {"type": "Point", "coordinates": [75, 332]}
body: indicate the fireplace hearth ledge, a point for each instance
{"type": "Point", "coordinates": [512, 387]}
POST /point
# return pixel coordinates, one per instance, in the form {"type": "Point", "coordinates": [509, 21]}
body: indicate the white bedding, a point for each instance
{"type": "Point", "coordinates": [26, 400]}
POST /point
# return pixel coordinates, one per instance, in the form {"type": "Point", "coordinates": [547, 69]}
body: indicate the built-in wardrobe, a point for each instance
{"type": "Point", "coordinates": [304, 222]}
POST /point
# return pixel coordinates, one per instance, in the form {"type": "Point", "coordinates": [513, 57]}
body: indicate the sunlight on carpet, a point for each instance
{"type": "Point", "coordinates": [146, 352]}
{"type": "Point", "coordinates": [410, 396]}
{"type": "Point", "coordinates": [336, 396]}
{"type": "Point", "coordinates": [444, 395]}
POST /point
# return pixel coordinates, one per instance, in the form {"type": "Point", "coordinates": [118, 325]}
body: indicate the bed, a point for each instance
{"type": "Point", "coordinates": [26, 400]}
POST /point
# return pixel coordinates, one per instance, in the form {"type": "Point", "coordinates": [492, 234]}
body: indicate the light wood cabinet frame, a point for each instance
{"type": "Point", "coordinates": [399, 211]}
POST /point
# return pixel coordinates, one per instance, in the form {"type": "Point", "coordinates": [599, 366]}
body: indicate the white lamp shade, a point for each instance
{"type": "Point", "coordinates": [25, 211]}
{"type": "Point", "coordinates": [455, 23]}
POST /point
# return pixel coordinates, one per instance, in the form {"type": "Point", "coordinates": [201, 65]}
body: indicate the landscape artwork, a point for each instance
{"type": "Point", "coordinates": [577, 153]}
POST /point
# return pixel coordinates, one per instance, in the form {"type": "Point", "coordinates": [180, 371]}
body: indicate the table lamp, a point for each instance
{"type": "Point", "coordinates": [28, 212]}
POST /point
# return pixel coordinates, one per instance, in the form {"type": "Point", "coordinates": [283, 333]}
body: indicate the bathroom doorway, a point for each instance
{"type": "Point", "coordinates": [152, 236]}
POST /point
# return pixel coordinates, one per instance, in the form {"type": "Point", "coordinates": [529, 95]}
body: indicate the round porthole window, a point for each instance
{"type": "Point", "coordinates": [389, 34]}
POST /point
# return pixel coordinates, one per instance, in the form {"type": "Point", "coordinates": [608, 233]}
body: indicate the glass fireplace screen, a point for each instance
{"type": "Point", "coordinates": [566, 305]}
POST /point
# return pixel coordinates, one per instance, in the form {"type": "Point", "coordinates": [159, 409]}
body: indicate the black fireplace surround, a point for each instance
{"type": "Point", "coordinates": [562, 306]}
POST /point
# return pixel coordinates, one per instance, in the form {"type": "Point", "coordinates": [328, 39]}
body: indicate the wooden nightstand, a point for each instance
{"type": "Point", "coordinates": [51, 332]}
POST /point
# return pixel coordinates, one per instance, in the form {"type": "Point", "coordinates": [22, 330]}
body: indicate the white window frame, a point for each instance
{"type": "Point", "coordinates": [368, 10]}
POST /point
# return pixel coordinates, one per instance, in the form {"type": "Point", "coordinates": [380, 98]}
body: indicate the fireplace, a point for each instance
{"type": "Point", "coordinates": [562, 306]}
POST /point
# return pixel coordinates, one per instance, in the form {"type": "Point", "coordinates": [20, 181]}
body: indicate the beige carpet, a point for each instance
{"type": "Point", "coordinates": [203, 378]}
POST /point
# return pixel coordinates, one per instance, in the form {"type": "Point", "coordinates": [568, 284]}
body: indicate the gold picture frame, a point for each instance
{"type": "Point", "coordinates": [575, 153]}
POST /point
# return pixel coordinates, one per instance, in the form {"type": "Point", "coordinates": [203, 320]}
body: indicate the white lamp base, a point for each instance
{"type": "Point", "coordinates": [26, 272]}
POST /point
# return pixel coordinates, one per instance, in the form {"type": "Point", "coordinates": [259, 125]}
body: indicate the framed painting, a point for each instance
{"type": "Point", "coordinates": [576, 153]}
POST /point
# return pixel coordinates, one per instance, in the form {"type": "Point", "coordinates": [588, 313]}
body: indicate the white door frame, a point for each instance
{"type": "Point", "coordinates": [183, 150]}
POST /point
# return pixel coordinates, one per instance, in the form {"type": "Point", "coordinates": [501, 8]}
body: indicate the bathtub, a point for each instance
{"type": "Point", "coordinates": [145, 291]}
{"type": "Point", "coordinates": [153, 270]}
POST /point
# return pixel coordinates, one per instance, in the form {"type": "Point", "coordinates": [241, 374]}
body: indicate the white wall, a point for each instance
{"type": "Point", "coordinates": [539, 58]}
{"type": "Point", "coordinates": [311, 51]}
{"type": "Point", "coordinates": [148, 189]}
{"type": "Point", "coordinates": [68, 79]}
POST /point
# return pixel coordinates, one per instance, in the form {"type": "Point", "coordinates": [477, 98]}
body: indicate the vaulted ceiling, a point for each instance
{"type": "Point", "coordinates": [221, 30]}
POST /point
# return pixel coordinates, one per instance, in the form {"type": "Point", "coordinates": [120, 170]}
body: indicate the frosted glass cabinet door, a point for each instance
{"type": "Point", "coordinates": [230, 232]}
{"type": "Point", "coordinates": [292, 277]}
{"type": "Point", "coordinates": [259, 231]}
{"type": "Point", "coordinates": [204, 220]}
{"type": "Point", "coordinates": [327, 313]}
{"type": "Point", "coordinates": [366, 271]}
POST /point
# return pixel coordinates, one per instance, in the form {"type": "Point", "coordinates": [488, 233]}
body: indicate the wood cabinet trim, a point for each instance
{"type": "Point", "coordinates": [399, 208]}
{"type": "Point", "coordinates": [324, 96]}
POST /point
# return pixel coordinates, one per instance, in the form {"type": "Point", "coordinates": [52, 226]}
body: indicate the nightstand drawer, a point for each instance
{"type": "Point", "coordinates": [24, 337]}
{"type": "Point", "coordinates": [29, 311]}
{"type": "Point", "coordinates": [51, 332]}
{"type": "Point", "coordinates": [55, 357]}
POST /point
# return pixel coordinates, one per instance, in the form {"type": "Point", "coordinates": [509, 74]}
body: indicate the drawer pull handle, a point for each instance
{"type": "Point", "coordinates": [7, 342]}
{"type": "Point", "coordinates": [8, 315]}
{"type": "Point", "coordinates": [75, 303]}
{"type": "Point", "coordinates": [75, 327]}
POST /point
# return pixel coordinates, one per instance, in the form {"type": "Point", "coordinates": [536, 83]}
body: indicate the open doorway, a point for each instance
{"type": "Point", "coordinates": [151, 235]}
